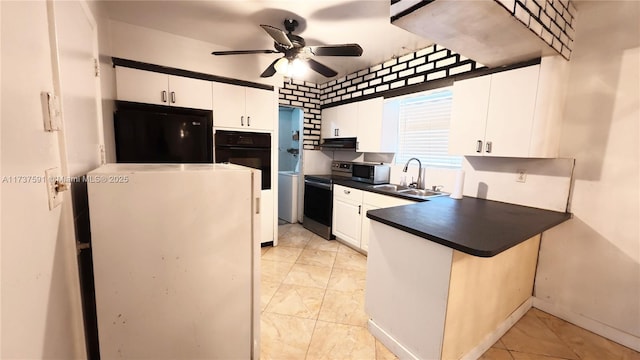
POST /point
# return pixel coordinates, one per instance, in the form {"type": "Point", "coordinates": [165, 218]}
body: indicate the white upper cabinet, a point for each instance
{"type": "Point", "coordinates": [514, 113]}
{"type": "Point", "coordinates": [243, 107]}
{"type": "Point", "coordinates": [162, 89]}
{"type": "Point", "coordinates": [329, 122]}
{"type": "Point", "coordinates": [364, 120]}
{"type": "Point", "coordinates": [377, 128]}
{"type": "Point", "coordinates": [261, 106]}
{"type": "Point", "coordinates": [469, 116]}
{"type": "Point", "coordinates": [340, 121]}
{"type": "Point", "coordinates": [510, 114]}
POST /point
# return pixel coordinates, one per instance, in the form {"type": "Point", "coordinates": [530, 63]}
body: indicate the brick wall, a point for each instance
{"type": "Point", "coordinates": [431, 63]}
{"type": "Point", "coordinates": [304, 95]}
{"type": "Point", "coordinates": [553, 21]}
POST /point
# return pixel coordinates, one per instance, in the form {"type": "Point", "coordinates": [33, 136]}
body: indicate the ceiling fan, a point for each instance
{"type": "Point", "coordinates": [296, 53]}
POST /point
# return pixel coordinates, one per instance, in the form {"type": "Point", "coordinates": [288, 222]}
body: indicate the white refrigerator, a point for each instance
{"type": "Point", "coordinates": [176, 260]}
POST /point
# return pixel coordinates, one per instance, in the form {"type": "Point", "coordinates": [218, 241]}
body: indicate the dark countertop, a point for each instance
{"type": "Point", "coordinates": [477, 227]}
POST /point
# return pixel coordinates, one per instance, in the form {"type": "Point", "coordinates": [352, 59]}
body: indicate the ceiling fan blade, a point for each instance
{"type": "Point", "coordinates": [270, 70]}
{"type": "Point", "coordinates": [337, 50]}
{"type": "Point", "coordinates": [243, 52]}
{"type": "Point", "coordinates": [278, 35]}
{"type": "Point", "coordinates": [322, 69]}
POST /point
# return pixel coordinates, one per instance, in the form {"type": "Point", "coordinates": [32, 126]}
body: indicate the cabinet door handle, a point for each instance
{"type": "Point", "coordinates": [173, 97]}
{"type": "Point", "coordinates": [241, 120]}
{"type": "Point", "coordinates": [164, 96]}
{"type": "Point", "coordinates": [488, 146]}
{"type": "Point", "coordinates": [335, 132]}
{"type": "Point", "coordinates": [248, 120]}
{"type": "Point", "coordinates": [357, 145]}
{"type": "Point", "coordinates": [479, 146]}
{"type": "Point", "coordinates": [347, 192]}
{"type": "Point", "coordinates": [359, 209]}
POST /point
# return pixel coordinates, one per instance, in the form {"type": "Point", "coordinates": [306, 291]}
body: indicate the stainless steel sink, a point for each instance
{"type": "Point", "coordinates": [386, 187]}
{"type": "Point", "coordinates": [398, 189]}
{"type": "Point", "coordinates": [420, 192]}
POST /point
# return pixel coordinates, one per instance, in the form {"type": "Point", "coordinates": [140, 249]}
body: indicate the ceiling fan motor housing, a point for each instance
{"type": "Point", "coordinates": [294, 47]}
{"type": "Point", "coordinates": [290, 24]}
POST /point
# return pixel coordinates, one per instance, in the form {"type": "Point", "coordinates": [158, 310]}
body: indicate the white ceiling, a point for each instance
{"type": "Point", "coordinates": [234, 24]}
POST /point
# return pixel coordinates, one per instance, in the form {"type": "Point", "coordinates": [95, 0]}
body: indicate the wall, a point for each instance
{"type": "Point", "coordinates": [107, 78]}
{"type": "Point", "coordinates": [41, 313]}
{"type": "Point", "coordinates": [589, 267]}
{"type": "Point", "coordinates": [288, 148]}
{"type": "Point", "coordinates": [306, 96]}
{"type": "Point", "coordinates": [161, 48]}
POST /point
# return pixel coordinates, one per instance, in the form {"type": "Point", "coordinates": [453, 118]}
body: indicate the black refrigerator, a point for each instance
{"type": "Point", "coordinates": [162, 134]}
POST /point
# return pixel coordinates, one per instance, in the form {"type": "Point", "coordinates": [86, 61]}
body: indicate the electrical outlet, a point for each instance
{"type": "Point", "coordinates": [521, 175]}
{"type": "Point", "coordinates": [53, 179]}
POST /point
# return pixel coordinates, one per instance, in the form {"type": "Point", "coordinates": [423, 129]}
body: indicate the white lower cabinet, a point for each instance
{"type": "Point", "coordinates": [350, 206]}
{"type": "Point", "coordinates": [372, 201]}
{"type": "Point", "coordinates": [347, 213]}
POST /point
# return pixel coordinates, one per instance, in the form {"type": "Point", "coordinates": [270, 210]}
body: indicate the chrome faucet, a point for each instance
{"type": "Point", "coordinates": [418, 183]}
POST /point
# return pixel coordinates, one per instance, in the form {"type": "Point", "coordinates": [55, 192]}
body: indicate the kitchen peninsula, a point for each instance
{"type": "Point", "coordinates": [446, 278]}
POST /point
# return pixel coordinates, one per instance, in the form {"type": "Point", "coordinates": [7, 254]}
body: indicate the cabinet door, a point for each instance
{"type": "Point", "coordinates": [347, 120]}
{"type": "Point", "coordinates": [510, 115]}
{"type": "Point", "coordinates": [369, 125]}
{"type": "Point", "coordinates": [346, 220]}
{"type": "Point", "coordinates": [260, 108]}
{"type": "Point", "coordinates": [372, 201]}
{"type": "Point", "coordinates": [469, 116]}
{"type": "Point", "coordinates": [190, 93]}
{"type": "Point", "coordinates": [329, 122]}
{"type": "Point", "coordinates": [228, 105]}
{"type": "Point", "coordinates": [364, 236]}
{"type": "Point", "coordinates": [142, 86]}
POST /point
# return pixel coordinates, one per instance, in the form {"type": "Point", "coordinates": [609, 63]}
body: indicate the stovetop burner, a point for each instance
{"type": "Point", "coordinates": [339, 170]}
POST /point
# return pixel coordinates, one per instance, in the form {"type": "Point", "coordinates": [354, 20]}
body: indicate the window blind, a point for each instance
{"type": "Point", "coordinates": [423, 130]}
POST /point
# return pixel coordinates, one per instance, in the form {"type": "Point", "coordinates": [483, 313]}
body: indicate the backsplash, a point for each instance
{"type": "Point", "coordinates": [547, 184]}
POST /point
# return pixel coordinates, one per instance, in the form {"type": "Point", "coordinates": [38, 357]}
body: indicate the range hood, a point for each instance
{"type": "Point", "coordinates": [339, 144]}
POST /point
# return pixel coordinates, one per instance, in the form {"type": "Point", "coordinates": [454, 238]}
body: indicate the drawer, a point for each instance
{"type": "Point", "coordinates": [347, 193]}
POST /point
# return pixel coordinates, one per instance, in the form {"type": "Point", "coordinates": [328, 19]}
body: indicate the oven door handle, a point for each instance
{"type": "Point", "coordinates": [233, 147]}
{"type": "Point", "coordinates": [318, 184]}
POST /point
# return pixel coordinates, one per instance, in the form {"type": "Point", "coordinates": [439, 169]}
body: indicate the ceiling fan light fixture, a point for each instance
{"type": "Point", "coordinates": [291, 68]}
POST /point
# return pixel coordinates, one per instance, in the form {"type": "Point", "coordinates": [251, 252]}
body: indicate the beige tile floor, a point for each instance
{"type": "Point", "coordinates": [312, 304]}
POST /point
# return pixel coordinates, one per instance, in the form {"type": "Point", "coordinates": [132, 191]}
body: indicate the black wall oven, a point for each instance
{"type": "Point", "coordinates": [245, 148]}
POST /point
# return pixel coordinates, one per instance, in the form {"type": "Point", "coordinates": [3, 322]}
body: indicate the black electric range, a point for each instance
{"type": "Point", "coordinates": [318, 198]}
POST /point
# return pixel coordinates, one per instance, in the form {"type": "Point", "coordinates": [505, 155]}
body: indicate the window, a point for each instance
{"type": "Point", "coordinates": [423, 129]}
